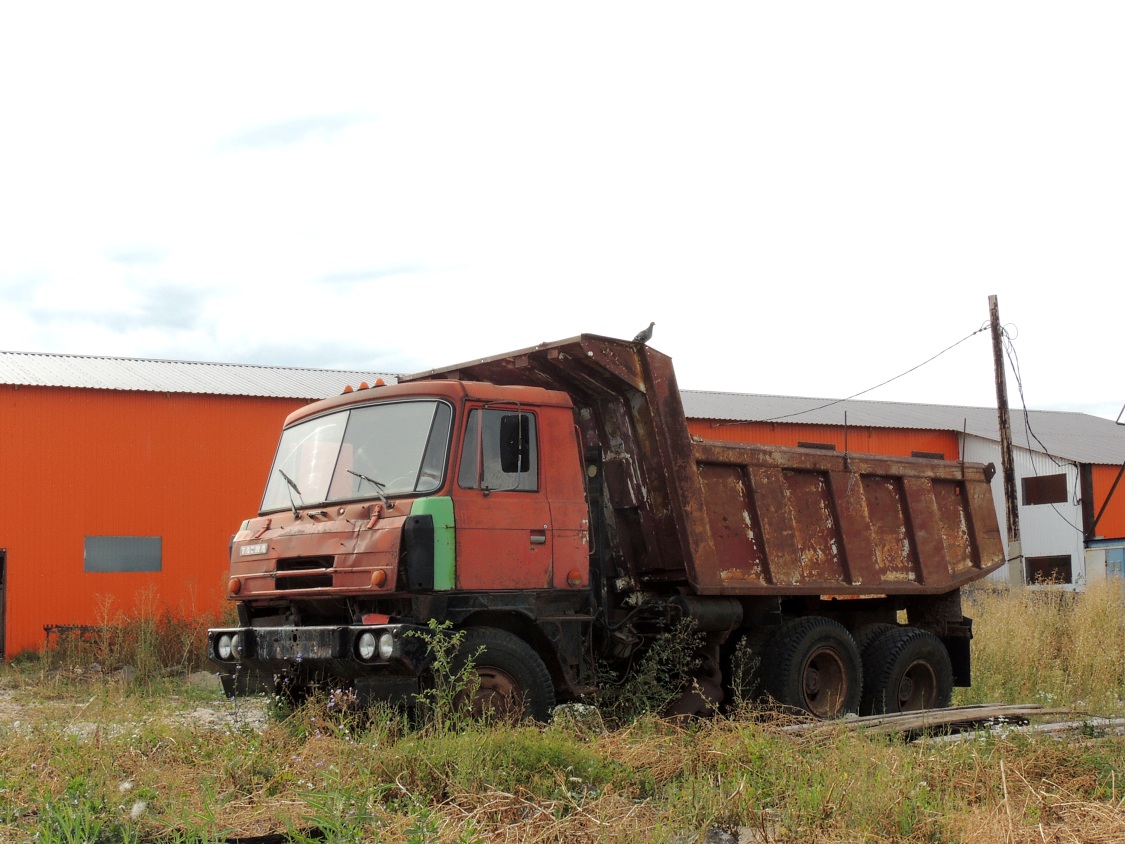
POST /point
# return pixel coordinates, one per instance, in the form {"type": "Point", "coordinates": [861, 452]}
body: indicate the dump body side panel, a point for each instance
{"type": "Point", "coordinates": [811, 522]}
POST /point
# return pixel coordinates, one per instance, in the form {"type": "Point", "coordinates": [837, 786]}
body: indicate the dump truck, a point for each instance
{"type": "Point", "coordinates": [551, 507]}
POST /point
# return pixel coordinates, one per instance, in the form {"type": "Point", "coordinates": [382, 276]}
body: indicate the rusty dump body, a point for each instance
{"type": "Point", "coordinates": [714, 518]}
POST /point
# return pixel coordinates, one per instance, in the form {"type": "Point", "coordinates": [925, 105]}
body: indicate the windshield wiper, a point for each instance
{"type": "Point", "coordinates": [293, 488]}
{"type": "Point", "coordinates": [378, 487]}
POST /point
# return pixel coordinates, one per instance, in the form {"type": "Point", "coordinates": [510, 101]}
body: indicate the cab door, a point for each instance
{"type": "Point", "coordinates": [502, 517]}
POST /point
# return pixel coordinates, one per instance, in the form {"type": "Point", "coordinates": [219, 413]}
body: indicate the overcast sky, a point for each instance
{"type": "Point", "coordinates": [807, 198]}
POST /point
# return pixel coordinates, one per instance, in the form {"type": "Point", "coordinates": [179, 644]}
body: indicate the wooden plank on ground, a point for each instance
{"type": "Point", "coordinates": [951, 719]}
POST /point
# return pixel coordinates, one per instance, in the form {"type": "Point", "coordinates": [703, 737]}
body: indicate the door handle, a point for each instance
{"type": "Point", "coordinates": [539, 537]}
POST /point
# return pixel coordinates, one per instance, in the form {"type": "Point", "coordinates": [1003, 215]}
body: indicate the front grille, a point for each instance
{"type": "Point", "coordinates": [308, 581]}
{"type": "Point", "coordinates": [304, 563]}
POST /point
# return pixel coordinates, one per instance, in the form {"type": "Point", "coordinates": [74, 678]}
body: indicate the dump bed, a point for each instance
{"type": "Point", "coordinates": [719, 518]}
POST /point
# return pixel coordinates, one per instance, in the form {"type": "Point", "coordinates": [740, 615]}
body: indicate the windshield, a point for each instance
{"type": "Point", "coordinates": [376, 450]}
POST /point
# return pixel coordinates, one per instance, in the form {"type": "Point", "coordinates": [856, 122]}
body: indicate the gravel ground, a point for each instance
{"type": "Point", "coordinates": [21, 708]}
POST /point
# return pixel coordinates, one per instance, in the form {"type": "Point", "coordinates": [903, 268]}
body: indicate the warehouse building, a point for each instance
{"type": "Point", "coordinates": [124, 479]}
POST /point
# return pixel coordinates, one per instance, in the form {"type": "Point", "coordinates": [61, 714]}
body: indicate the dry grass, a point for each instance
{"type": "Point", "coordinates": [1049, 646]}
{"type": "Point", "coordinates": [653, 781]}
{"type": "Point", "coordinates": [78, 757]}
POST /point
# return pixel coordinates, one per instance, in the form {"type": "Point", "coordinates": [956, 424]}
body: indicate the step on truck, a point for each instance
{"type": "Point", "coordinates": [551, 504]}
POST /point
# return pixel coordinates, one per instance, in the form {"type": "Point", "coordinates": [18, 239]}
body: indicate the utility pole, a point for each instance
{"type": "Point", "coordinates": [1011, 502]}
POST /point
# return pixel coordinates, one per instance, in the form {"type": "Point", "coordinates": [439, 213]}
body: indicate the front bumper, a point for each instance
{"type": "Point", "coordinates": [254, 659]}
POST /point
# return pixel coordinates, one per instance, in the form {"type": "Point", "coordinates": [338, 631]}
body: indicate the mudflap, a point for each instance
{"type": "Point", "coordinates": [390, 689]}
{"type": "Point", "coordinates": [246, 681]}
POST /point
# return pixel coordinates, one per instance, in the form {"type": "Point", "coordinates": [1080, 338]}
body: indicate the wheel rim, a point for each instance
{"type": "Point", "coordinates": [498, 694]}
{"type": "Point", "coordinates": [824, 683]}
{"type": "Point", "coordinates": [918, 687]}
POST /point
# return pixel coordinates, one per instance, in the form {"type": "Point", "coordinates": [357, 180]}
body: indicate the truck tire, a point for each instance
{"type": "Point", "coordinates": [813, 664]}
{"type": "Point", "coordinates": [906, 669]}
{"type": "Point", "coordinates": [514, 682]}
{"type": "Point", "coordinates": [868, 633]}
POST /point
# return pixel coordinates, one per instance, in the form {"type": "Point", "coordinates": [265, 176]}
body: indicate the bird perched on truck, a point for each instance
{"type": "Point", "coordinates": [645, 335]}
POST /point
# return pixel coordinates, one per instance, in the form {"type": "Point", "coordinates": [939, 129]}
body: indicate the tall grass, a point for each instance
{"type": "Point", "coordinates": [331, 781]}
{"type": "Point", "coordinates": [1049, 646]}
{"type": "Point", "coordinates": [143, 644]}
{"type": "Point", "coordinates": [140, 769]}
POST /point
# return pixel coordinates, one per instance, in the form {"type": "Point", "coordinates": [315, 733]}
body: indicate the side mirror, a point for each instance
{"type": "Point", "coordinates": [515, 443]}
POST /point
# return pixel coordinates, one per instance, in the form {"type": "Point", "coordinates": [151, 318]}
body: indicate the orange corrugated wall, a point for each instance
{"type": "Point", "coordinates": [77, 463]}
{"type": "Point", "coordinates": [1112, 524]}
{"type": "Point", "coordinates": [896, 442]}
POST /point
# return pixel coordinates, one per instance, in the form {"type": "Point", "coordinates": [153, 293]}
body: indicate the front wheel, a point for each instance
{"type": "Point", "coordinates": [906, 669]}
{"type": "Point", "coordinates": [513, 681]}
{"type": "Point", "coordinates": [813, 664]}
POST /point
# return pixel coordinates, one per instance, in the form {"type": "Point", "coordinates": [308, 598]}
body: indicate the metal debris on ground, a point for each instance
{"type": "Point", "coordinates": [959, 722]}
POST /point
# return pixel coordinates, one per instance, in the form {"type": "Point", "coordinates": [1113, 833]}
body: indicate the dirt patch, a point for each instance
{"type": "Point", "coordinates": [84, 710]}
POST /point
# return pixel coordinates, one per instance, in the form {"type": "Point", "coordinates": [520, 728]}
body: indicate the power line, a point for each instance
{"type": "Point", "coordinates": [884, 383]}
{"type": "Point", "coordinates": [1029, 433]}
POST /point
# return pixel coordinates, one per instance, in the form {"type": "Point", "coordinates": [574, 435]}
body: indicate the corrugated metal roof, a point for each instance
{"type": "Point", "coordinates": [36, 369]}
{"type": "Point", "coordinates": [1073, 436]}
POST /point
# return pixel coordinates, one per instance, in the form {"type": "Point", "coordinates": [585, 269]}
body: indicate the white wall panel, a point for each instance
{"type": "Point", "coordinates": [1045, 529]}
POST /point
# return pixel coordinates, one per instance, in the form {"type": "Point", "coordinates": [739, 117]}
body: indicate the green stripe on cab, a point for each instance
{"type": "Point", "coordinates": [440, 509]}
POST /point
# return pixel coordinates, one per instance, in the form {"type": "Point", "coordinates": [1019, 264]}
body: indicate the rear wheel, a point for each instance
{"type": "Point", "coordinates": [868, 633]}
{"type": "Point", "coordinates": [513, 681]}
{"type": "Point", "coordinates": [813, 664]}
{"type": "Point", "coordinates": [906, 669]}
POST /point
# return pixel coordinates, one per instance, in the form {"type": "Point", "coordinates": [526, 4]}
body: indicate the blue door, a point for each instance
{"type": "Point", "coordinates": [1115, 562]}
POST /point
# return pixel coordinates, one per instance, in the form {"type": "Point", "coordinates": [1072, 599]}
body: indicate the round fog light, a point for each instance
{"type": "Point", "coordinates": [236, 646]}
{"type": "Point", "coordinates": [222, 647]}
{"type": "Point", "coordinates": [386, 646]}
{"type": "Point", "coordinates": [365, 647]}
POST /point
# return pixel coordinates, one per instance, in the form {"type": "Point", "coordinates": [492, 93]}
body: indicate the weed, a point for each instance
{"type": "Point", "coordinates": [424, 829]}
{"type": "Point", "coordinates": [656, 680]}
{"type": "Point", "coordinates": [139, 647]}
{"type": "Point", "coordinates": [341, 811]}
{"type": "Point", "coordinates": [744, 680]}
{"type": "Point", "coordinates": [78, 819]}
{"type": "Point", "coordinates": [451, 681]}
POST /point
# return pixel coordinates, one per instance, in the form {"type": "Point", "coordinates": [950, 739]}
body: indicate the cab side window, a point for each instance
{"type": "Point", "coordinates": [501, 451]}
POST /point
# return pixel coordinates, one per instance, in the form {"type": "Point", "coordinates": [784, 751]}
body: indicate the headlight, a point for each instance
{"type": "Point", "coordinates": [386, 646]}
{"type": "Point", "coordinates": [236, 646]}
{"type": "Point", "coordinates": [222, 647]}
{"type": "Point", "coordinates": [365, 646]}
